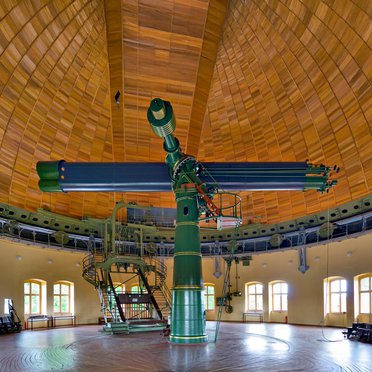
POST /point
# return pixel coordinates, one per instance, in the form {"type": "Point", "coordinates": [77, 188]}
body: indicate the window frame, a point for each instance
{"type": "Point", "coordinates": [339, 293]}
{"type": "Point", "coordinates": [255, 295]}
{"type": "Point", "coordinates": [30, 295]}
{"type": "Point", "coordinates": [369, 291]}
{"type": "Point", "coordinates": [60, 295]}
{"type": "Point", "coordinates": [208, 295]}
{"type": "Point", "coordinates": [279, 294]}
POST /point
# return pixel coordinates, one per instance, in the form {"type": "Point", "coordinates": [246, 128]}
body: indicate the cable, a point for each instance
{"type": "Point", "coordinates": [324, 338]}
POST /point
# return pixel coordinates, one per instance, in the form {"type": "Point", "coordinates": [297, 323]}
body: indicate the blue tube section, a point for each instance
{"type": "Point", "coordinates": [115, 177]}
{"type": "Point", "coordinates": [147, 177]}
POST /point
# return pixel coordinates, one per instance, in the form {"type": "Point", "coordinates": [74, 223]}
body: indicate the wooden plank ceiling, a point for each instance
{"type": "Point", "coordinates": [249, 81]}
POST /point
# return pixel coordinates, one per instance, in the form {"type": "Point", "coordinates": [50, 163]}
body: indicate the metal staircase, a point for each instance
{"type": "Point", "coordinates": [160, 290]}
{"type": "Point", "coordinates": [127, 312]}
{"type": "Point", "coordinates": [119, 315]}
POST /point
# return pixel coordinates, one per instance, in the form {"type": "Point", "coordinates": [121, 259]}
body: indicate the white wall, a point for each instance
{"type": "Point", "coordinates": [305, 299]}
{"type": "Point", "coordinates": [34, 265]}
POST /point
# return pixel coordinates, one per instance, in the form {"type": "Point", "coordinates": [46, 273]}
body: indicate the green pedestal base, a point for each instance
{"type": "Point", "coordinates": [188, 339]}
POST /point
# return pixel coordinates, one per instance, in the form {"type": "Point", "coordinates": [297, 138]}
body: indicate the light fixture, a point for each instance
{"type": "Point", "coordinates": [77, 264]}
{"type": "Point", "coordinates": [349, 253]}
{"type": "Point", "coordinates": [316, 258]}
{"type": "Point", "coordinates": [19, 258]}
{"type": "Point", "coordinates": [50, 261]}
{"type": "Point", "coordinates": [264, 264]}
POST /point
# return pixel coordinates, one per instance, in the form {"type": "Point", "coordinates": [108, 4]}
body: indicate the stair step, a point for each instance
{"type": "Point", "coordinates": [134, 326]}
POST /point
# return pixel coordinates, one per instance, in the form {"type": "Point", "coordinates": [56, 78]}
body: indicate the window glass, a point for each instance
{"type": "Point", "coordinates": [343, 285]}
{"type": "Point", "coordinates": [284, 302]}
{"type": "Point", "coordinates": [251, 288]}
{"type": "Point", "coordinates": [365, 284]}
{"type": "Point", "coordinates": [27, 305]}
{"type": "Point", "coordinates": [64, 304]}
{"type": "Point", "coordinates": [209, 297]}
{"type": "Point", "coordinates": [343, 302]}
{"type": "Point", "coordinates": [35, 304]}
{"type": "Point", "coordinates": [277, 288]}
{"type": "Point", "coordinates": [364, 303]}
{"type": "Point", "coordinates": [56, 303]}
{"type": "Point", "coordinates": [335, 286]}
{"type": "Point", "coordinates": [35, 288]}
{"type": "Point", "coordinates": [65, 289]}
{"type": "Point", "coordinates": [252, 303]}
{"type": "Point", "coordinates": [61, 298]}
{"type": "Point", "coordinates": [210, 304]}
{"type": "Point", "coordinates": [32, 297]}
{"type": "Point", "coordinates": [276, 304]}
{"type": "Point", "coordinates": [338, 295]}
{"type": "Point", "coordinates": [119, 289]}
{"type": "Point", "coordinates": [259, 302]}
{"type": "Point", "coordinates": [138, 289]}
{"type": "Point", "coordinates": [280, 296]}
{"type": "Point", "coordinates": [255, 300]}
{"type": "Point", "coordinates": [335, 303]}
{"type": "Point", "coordinates": [365, 295]}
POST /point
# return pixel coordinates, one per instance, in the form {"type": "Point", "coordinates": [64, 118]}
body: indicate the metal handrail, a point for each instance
{"type": "Point", "coordinates": [353, 226]}
{"type": "Point", "coordinates": [161, 272]}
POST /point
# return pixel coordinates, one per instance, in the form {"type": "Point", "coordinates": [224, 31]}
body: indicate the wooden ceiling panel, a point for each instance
{"type": "Point", "coordinates": [299, 69]}
{"type": "Point", "coordinates": [273, 80]}
{"type": "Point", "coordinates": [54, 92]}
{"type": "Point", "coordinates": [161, 51]}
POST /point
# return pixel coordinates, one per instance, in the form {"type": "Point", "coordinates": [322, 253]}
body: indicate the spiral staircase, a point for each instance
{"type": "Point", "coordinates": [129, 312]}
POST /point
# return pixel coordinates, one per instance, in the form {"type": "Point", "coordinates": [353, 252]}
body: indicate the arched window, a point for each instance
{"type": "Point", "coordinates": [209, 296]}
{"type": "Point", "coordinates": [279, 292]}
{"type": "Point", "coordinates": [34, 296]}
{"type": "Point", "coordinates": [63, 297]}
{"type": "Point", "coordinates": [141, 308]}
{"type": "Point", "coordinates": [119, 287]}
{"type": "Point", "coordinates": [138, 289]}
{"type": "Point", "coordinates": [365, 294]}
{"type": "Point", "coordinates": [254, 297]}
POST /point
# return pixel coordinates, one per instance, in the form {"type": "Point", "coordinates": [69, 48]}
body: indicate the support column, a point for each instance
{"type": "Point", "coordinates": [188, 308]}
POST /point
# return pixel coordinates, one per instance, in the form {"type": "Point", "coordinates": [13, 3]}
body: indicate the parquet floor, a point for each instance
{"type": "Point", "coordinates": [240, 347]}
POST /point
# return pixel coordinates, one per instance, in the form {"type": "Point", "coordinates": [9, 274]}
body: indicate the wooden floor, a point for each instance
{"type": "Point", "coordinates": [240, 347]}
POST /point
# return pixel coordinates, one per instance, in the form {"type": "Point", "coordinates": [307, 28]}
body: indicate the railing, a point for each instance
{"type": "Point", "coordinates": [229, 210]}
{"type": "Point", "coordinates": [94, 276]}
{"type": "Point", "coordinates": [90, 273]}
{"type": "Point", "coordinates": [160, 276]}
{"type": "Point", "coordinates": [105, 309]}
{"type": "Point", "coordinates": [353, 226]}
{"type": "Point", "coordinates": [137, 311]}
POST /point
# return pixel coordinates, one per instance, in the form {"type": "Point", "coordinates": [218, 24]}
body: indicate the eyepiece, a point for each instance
{"type": "Point", "coordinates": [157, 108]}
{"type": "Point", "coordinates": [160, 117]}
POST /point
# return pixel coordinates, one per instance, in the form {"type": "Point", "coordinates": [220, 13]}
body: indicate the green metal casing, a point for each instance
{"type": "Point", "coordinates": [49, 175]}
{"type": "Point", "coordinates": [188, 308]}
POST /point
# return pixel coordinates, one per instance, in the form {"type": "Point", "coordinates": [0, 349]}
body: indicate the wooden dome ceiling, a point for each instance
{"type": "Point", "coordinates": [249, 80]}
